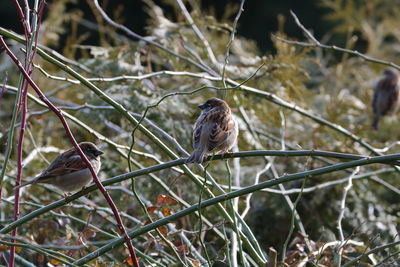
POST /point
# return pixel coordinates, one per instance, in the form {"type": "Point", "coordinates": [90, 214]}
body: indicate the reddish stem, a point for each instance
{"type": "Point", "coordinates": [24, 22]}
{"type": "Point", "coordinates": [75, 144]}
{"type": "Point", "coordinates": [23, 108]}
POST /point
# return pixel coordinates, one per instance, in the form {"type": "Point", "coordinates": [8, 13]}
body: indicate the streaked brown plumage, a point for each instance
{"type": "Point", "coordinates": [68, 172]}
{"type": "Point", "coordinates": [216, 130]}
{"type": "Point", "coordinates": [386, 95]}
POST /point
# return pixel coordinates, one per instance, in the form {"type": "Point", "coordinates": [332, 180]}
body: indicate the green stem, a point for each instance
{"type": "Point", "coordinates": [293, 212]}
{"type": "Point", "coordinates": [286, 178]}
{"type": "Point", "coordinates": [10, 135]}
{"type": "Point", "coordinates": [200, 215]}
{"type": "Point", "coordinates": [234, 214]}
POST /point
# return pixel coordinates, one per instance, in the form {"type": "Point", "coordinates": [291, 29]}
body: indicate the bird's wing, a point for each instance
{"type": "Point", "coordinates": [61, 166]}
{"type": "Point", "coordinates": [220, 127]}
{"type": "Point", "coordinates": [197, 134]}
{"type": "Point", "coordinates": [393, 97]}
{"type": "Point", "coordinates": [385, 96]}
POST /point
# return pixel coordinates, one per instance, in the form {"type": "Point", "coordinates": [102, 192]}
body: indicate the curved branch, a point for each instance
{"type": "Point", "coordinates": [234, 194]}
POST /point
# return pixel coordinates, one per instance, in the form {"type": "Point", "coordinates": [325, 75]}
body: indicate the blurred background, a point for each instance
{"type": "Point", "coordinates": [259, 20]}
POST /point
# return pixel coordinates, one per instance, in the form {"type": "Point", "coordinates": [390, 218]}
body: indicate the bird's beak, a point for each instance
{"type": "Point", "coordinates": [202, 106]}
{"type": "Point", "coordinates": [99, 152]}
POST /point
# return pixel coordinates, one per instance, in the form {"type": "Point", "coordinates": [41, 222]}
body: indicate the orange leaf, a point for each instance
{"type": "Point", "coordinates": [55, 262]}
{"type": "Point", "coordinates": [166, 211]}
{"type": "Point", "coordinates": [3, 247]}
{"type": "Point", "coordinates": [171, 201]}
{"type": "Point", "coordinates": [196, 263]}
{"type": "Point", "coordinates": [161, 199]}
{"type": "Point", "coordinates": [163, 230]}
{"type": "Point", "coordinates": [129, 261]}
{"type": "Point", "coordinates": [166, 200]}
{"type": "Point", "coordinates": [18, 249]}
{"type": "Point", "coordinates": [151, 209]}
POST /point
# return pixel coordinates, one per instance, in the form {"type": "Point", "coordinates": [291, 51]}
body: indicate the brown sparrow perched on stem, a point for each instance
{"type": "Point", "coordinates": [386, 95]}
{"type": "Point", "coordinates": [68, 172]}
{"type": "Point", "coordinates": [216, 130]}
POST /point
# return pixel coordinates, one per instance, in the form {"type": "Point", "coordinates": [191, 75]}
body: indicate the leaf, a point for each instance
{"type": "Point", "coordinates": [166, 211]}
{"type": "Point", "coordinates": [3, 247]}
{"type": "Point", "coordinates": [18, 249]}
{"type": "Point", "coordinates": [163, 200]}
{"type": "Point", "coordinates": [55, 262]}
{"type": "Point", "coordinates": [163, 230]}
{"type": "Point", "coordinates": [151, 209]}
{"type": "Point", "coordinates": [196, 263]}
{"type": "Point", "coordinates": [129, 261]}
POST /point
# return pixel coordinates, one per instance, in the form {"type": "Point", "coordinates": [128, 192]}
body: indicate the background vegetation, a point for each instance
{"type": "Point", "coordinates": [300, 96]}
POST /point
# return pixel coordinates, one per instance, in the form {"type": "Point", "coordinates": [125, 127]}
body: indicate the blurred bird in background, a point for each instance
{"type": "Point", "coordinates": [386, 95]}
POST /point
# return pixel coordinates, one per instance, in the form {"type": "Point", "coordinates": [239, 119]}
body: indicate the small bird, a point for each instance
{"type": "Point", "coordinates": [216, 130]}
{"type": "Point", "coordinates": [386, 95]}
{"type": "Point", "coordinates": [68, 171]}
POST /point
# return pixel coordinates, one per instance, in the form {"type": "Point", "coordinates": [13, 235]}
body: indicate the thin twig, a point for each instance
{"type": "Point", "coordinates": [198, 33]}
{"type": "Point", "coordinates": [228, 47]}
{"type": "Point", "coordinates": [292, 220]}
{"type": "Point", "coordinates": [200, 217]}
{"type": "Point", "coordinates": [236, 240]}
{"type": "Point", "coordinates": [339, 49]}
{"type": "Point", "coordinates": [130, 77]}
{"type": "Point", "coordinates": [316, 43]}
{"type": "Point", "coordinates": [341, 214]}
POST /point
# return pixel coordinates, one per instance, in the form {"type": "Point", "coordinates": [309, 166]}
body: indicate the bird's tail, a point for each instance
{"type": "Point", "coordinates": [197, 156]}
{"type": "Point", "coordinates": [25, 184]}
{"type": "Point", "coordinates": [375, 123]}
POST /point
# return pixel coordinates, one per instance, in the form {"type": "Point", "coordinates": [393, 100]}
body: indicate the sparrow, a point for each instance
{"type": "Point", "coordinates": [68, 171]}
{"type": "Point", "coordinates": [216, 130]}
{"type": "Point", "coordinates": [386, 95]}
